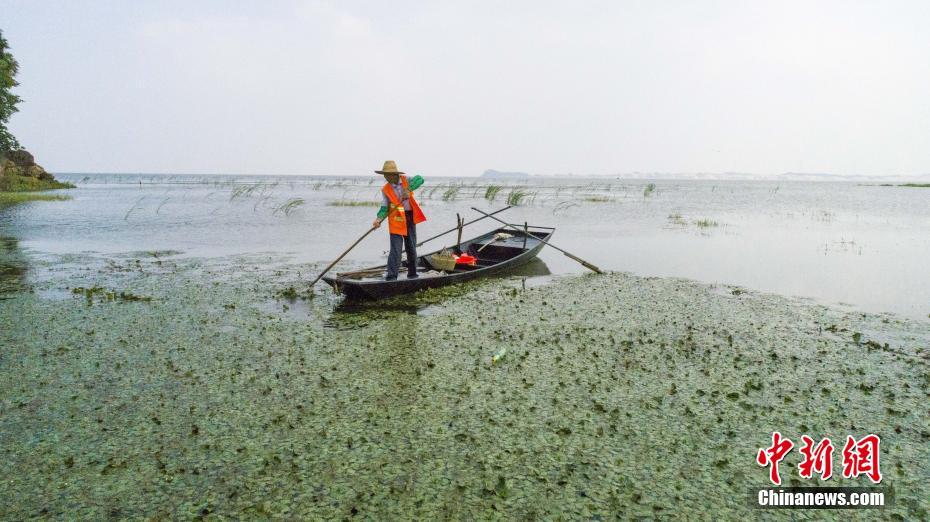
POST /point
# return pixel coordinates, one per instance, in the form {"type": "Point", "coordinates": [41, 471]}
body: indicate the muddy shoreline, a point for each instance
{"type": "Point", "coordinates": [618, 395]}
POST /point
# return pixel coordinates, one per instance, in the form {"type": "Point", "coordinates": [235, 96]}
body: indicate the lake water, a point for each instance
{"type": "Point", "coordinates": [860, 246]}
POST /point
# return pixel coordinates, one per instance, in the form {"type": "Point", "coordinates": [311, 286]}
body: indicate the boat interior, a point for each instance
{"type": "Point", "coordinates": [489, 249]}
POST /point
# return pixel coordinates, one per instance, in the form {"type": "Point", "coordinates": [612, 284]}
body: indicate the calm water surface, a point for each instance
{"type": "Point", "coordinates": [841, 243]}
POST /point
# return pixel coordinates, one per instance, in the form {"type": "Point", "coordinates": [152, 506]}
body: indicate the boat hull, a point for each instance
{"type": "Point", "coordinates": [379, 289]}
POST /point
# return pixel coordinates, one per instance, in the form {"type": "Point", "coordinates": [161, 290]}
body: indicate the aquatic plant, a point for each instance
{"type": "Point", "coordinates": [349, 203]}
{"type": "Point", "coordinates": [564, 205]}
{"type": "Point", "coordinates": [597, 199]}
{"type": "Point", "coordinates": [490, 193]}
{"type": "Point", "coordinates": [650, 188]}
{"type": "Point", "coordinates": [915, 185]}
{"type": "Point", "coordinates": [104, 294]}
{"type": "Point", "coordinates": [288, 206]}
{"type": "Point", "coordinates": [133, 207]}
{"type": "Point", "coordinates": [677, 219]}
{"type": "Point", "coordinates": [705, 223]}
{"type": "Point", "coordinates": [450, 193]}
{"type": "Point", "coordinates": [516, 196]}
{"type": "Point", "coordinates": [9, 198]}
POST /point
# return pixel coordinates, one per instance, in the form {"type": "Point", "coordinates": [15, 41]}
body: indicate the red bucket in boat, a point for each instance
{"type": "Point", "coordinates": [466, 259]}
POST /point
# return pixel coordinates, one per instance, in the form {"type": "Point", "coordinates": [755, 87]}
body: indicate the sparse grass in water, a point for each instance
{"type": "Point", "coordinates": [490, 193]}
{"type": "Point", "coordinates": [677, 219]}
{"type": "Point", "coordinates": [451, 193]}
{"type": "Point", "coordinates": [650, 188]}
{"type": "Point", "coordinates": [705, 223]}
{"type": "Point", "coordinates": [346, 203]}
{"type": "Point", "coordinates": [516, 197]}
{"type": "Point", "coordinates": [289, 206]}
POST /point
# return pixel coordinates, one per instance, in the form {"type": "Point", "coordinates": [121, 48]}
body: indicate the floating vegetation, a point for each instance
{"type": "Point", "coordinates": [159, 253]}
{"type": "Point", "coordinates": [348, 203]}
{"type": "Point", "coordinates": [677, 219]}
{"type": "Point", "coordinates": [915, 185]}
{"type": "Point", "coordinates": [705, 223]}
{"type": "Point", "coordinates": [289, 293]}
{"type": "Point", "coordinates": [330, 411]}
{"type": "Point", "coordinates": [491, 192]}
{"type": "Point", "coordinates": [597, 199]}
{"type": "Point", "coordinates": [288, 206]}
{"type": "Point", "coordinates": [102, 294]}
{"type": "Point", "coordinates": [648, 190]}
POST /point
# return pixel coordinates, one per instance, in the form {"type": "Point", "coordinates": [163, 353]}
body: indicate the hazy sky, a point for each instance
{"type": "Point", "coordinates": [453, 88]}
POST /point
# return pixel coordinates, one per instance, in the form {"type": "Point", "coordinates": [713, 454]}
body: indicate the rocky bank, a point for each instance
{"type": "Point", "coordinates": [19, 172]}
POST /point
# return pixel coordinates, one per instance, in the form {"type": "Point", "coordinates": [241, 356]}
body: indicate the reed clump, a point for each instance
{"type": "Point", "coordinates": [491, 192]}
{"type": "Point", "coordinates": [451, 193]}
{"type": "Point", "coordinates": [706, 223]}
{"type": "Point", "coordinates": [516, 197]}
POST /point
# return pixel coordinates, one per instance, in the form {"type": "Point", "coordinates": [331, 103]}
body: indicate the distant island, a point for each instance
{"type": "Point", "coordinates": [496, 174]}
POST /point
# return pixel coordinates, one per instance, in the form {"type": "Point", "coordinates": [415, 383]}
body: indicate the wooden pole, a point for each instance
{"type": "Point", "coordinates": [357, 241]}
{"type": "Point", "coordinates": [460, 222]}
{"type": "Point", "coordinates": [584, 263]}
{"type": "Point", "coordinates": [453, 229]}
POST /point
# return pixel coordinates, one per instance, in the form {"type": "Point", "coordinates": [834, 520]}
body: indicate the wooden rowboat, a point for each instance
{"type": "Point", "coordinates": [496, 256]}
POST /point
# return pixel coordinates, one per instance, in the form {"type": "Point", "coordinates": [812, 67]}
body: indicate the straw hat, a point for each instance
{"type": "Point", "coordinates": [389, 168]}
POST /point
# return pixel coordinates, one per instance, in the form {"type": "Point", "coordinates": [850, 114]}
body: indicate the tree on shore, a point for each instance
{"type": "Point", "coordinates": [8, 100]}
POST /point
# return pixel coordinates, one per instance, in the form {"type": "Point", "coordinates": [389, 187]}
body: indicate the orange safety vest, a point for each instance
{"type": "Point", "coordinates": [397, 220]}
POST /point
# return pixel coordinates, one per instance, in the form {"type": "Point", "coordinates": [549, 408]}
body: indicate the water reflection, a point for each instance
{"type": "Point", "coordinates": [12, 267]}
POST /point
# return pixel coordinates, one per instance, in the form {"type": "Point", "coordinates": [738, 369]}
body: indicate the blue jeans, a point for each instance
{"type": "Point", "coordinates": [398, 242]}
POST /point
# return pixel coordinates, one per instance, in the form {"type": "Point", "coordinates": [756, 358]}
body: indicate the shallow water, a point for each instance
{"type": "Point", "coordinates": [861, 246]}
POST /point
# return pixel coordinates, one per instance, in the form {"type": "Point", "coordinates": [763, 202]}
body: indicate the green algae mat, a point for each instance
{"type": "Point", "coordinates": [204, 394]}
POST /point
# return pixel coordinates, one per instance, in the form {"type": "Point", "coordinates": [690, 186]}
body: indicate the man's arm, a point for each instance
{"type": "Point", "coordinates": [382, 212]}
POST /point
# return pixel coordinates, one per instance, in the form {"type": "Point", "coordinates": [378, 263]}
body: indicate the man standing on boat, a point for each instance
{"type": "Point", "coordinates": [400, 209]}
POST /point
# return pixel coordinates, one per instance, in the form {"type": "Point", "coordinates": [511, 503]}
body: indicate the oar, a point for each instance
{"type": "Point", "coordinates": [342, 255]}
{"type": "Point", "coordinates": [453, 229]}
{"type": "Point", "coordinates": [584, 263]}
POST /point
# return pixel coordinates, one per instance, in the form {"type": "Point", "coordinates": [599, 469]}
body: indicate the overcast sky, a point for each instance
{"type": "Point", "coordinates": [453, 88]}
